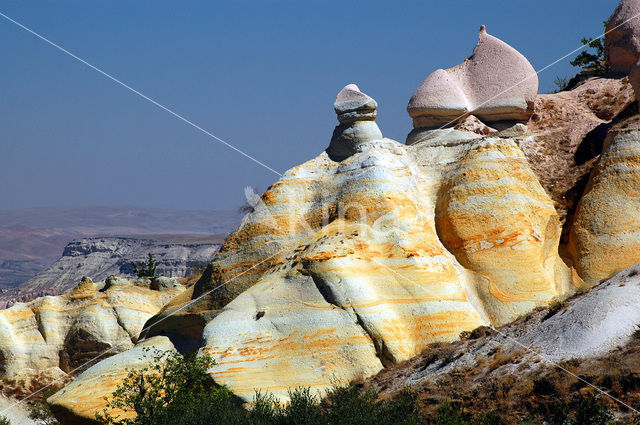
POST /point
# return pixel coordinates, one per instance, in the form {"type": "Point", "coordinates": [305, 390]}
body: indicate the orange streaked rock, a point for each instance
{"type": "Point", "coordinates": [47, 337]}
{"type": "Point", "coordinates": [347, 266]}
{"type": "Point", "coordinates": [605, 236]}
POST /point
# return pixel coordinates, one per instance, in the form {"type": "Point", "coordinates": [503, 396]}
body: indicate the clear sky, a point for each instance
{"type": "Point", "coordinates": [261, 75]}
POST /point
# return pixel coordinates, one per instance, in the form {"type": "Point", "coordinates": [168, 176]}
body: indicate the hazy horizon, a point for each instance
{"type": "Point", "coordinates": [74, 138]}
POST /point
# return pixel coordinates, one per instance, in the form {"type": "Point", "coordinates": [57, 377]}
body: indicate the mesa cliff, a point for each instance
{"type": "Point", "coordinates": [101, 257]}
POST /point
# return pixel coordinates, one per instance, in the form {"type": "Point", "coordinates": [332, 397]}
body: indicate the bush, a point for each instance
{"type": "Point", "coordinates": [589, 411]}
{"type": "Point", "coordinates": [4, 421]}
{"type": "Point", "coordinates": [561, 84]}
{"type": "Point", "coordinates": [145, 269]}
{"type": "Point", "coordinates": [592, 63]}
{"type": "Point", "coordinates": [176, 390]}
{"type": "Point", "coordinates": [40, 411]}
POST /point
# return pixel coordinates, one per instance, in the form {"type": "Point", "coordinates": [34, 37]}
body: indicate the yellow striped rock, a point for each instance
{"type": "Point", "coordinates": [43, 339]}
{"type": "Point", "coordinates": [370, 259]}
{"type": "Point", "coordinates": [78, 402]}
{"type": "Point", "coordinates": [605, 236]}
{"type": "Point", "coordinates": [347, 266]}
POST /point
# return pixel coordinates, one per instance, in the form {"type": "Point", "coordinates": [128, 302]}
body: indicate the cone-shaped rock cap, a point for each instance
{"type": "Point", "coordinates": [622, 39]}
{"type": "Point", "coordinates": [496, 83]}
{"type": "Point", "coordinates": [353, 105]}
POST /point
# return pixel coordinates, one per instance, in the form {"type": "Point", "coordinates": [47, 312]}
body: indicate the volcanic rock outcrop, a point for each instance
{"type": "Point", "coordinates": [347, 266]}
{"type": "Point", "coordinates": [45, 338]}
{"type": "Point", "coordinates": [622, 38]}
{"type": "Point", "coordinates": [356, 114]}
{"type": "Point", "coordinates": [363, 256]}
{"type": "Point", "coordinates": [566, 134]}
{"type": "Point", "coordinates": [605, 236]}
{"type": "Point", "coordinates": [495, 84]}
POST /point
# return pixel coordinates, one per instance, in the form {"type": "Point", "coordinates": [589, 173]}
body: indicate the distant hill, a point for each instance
{"type": "Point", "coordinates": [100, 257]}
{"type": "Point", "coordinates": [33, 238]}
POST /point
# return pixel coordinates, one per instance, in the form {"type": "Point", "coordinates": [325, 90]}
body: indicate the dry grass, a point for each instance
{"type": "Point", "coordinates": [505, 382]}
{"type": "Point", "coordinates": [191, 279]}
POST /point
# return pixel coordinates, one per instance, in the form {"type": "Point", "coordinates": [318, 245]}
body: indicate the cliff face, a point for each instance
{"type": "Point", "coordinates": [31, 239]}
{"type": "Point", "coordinates": [101, 257]}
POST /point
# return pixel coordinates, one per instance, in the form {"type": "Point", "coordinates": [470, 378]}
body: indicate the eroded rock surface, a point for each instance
{"type": "Point", "coordinates": [566, 134]}
{"type": "Point", "coordinates": [371, 259]}
{"type": "Point", "coordinates": [349, 265]}
{"type": "Point", "coordinates": [495, 84]}
{"type": "Point", "coordinates": [44, 339]}
{"type": "Point", "coordinates": [77, 404]}
{"type": "Point", "coordinates": [622, 39]}
{"type": "Point", "coordinates": [101, 257]}
{"type": "Point", "coordinates": [605, 237]}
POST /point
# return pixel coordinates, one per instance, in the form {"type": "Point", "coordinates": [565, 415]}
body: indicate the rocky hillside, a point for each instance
{"type": "Point", "coordinates": [467, 238]}
{"type": "Point", "coordinates": [517, 369]}
{"type": "Point", "coordinates": [44, 340]}
{"type": "Point", "coordinates": [102, 257]}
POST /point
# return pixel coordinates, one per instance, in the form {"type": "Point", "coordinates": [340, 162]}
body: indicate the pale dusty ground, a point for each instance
{"type": "Point", "coordinates": [18, 415]}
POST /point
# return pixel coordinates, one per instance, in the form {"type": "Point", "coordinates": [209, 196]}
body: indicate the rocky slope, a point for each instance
{"type": "Point", "coordinates": [101, 257]}
{"type": "Point", "coordinates": [517, 369]}
{"type": "Point", "coordinates": [47, 338]}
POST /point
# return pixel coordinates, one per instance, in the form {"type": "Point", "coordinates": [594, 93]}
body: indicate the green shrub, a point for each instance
{"type": "Point", "coordinates": [592, 63]}
{"type": "Point", "coordinates": [4, 421]}
{"type": "Point", "coordinates": [145, 268]}
{"type": "Point", "coordinates": [40, 410]}
{"type": "Point", "coordinates": [589, 411]}
{"type": "Point", "coordinates": [175, 389]}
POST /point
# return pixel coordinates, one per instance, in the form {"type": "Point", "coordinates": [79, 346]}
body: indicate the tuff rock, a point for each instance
{"type": "Point", "coordinates": [605, 237]}
{"type": "Point", "coordinates": [495, 84]}
{"type": "Point", "coordinates": [350, 263]}
{"type": "Point", "coordinates": [46, 338]}
{"type": "Point", "coordinates": [622, 37]}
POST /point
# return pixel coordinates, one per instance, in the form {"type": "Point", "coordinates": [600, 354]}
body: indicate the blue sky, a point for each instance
{"type": "Point", "coordinates": [261, 75]}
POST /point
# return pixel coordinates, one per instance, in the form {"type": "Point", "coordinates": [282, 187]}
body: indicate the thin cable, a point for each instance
{"type": "Point", "coordinates": [175, 114]}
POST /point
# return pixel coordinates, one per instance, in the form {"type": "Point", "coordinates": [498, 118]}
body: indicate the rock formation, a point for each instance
{"type": "Point", "coordinates": [347, 266]}
{"type": "Point", "coordinates": [356, 114]}
{"type": "Point", "coordinates": [605, 237]}
{"type": "Point", "coordinates": [495, 84]}
{"type": "Point", "coordinates": [363, 256]}
{"type": "Point", "coordinates": [101, 257]}
{"type": "Point", "coordinates": [622, 39]}
{"type": "Point", "coordinates": [74, 405]}
{"type": "Point", "coordinates": [50, 336]}
{"type": "Point", "coordinates": [594, 333]}
{"type": "Point", "coordinates": [566, 134]}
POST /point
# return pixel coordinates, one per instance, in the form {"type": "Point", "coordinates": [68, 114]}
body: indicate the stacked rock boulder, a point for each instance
{"type": "Point", "coordinates": [495, 84]}
{"type": "Point", "coordinates": [356, 114]}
